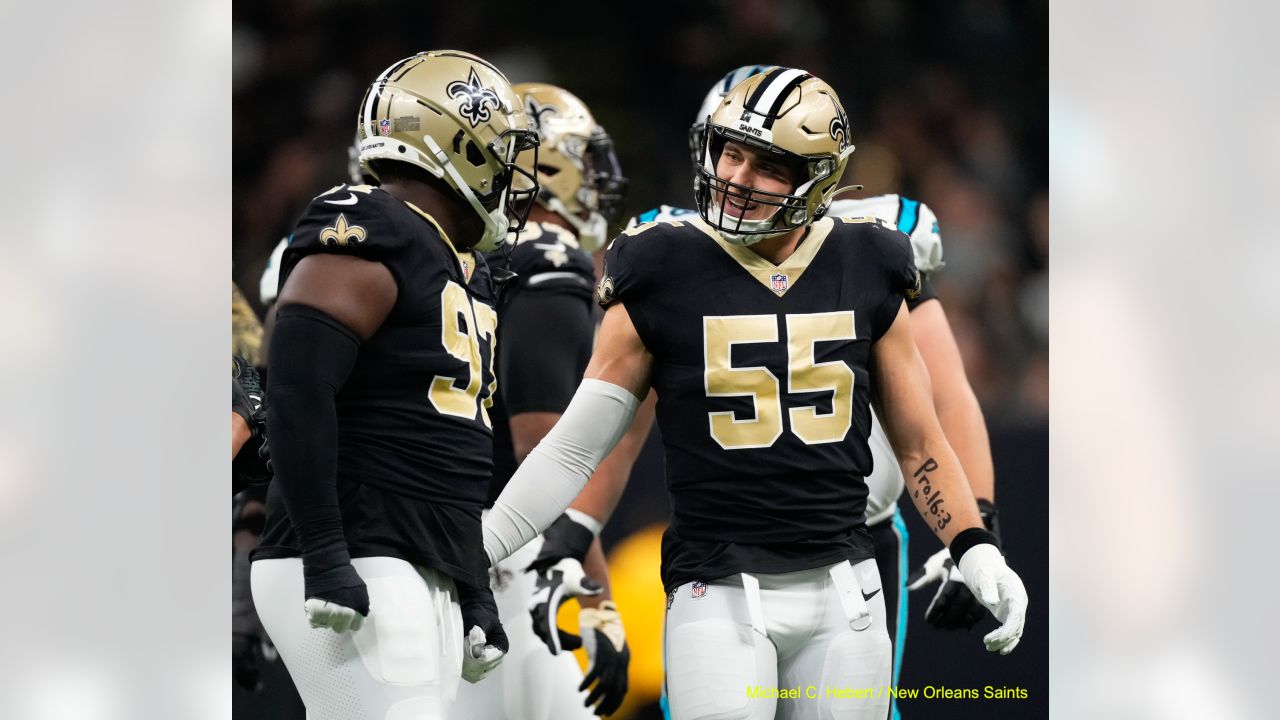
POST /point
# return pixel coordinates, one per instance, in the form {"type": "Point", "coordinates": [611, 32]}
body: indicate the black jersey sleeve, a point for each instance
{"type": "Point", "coordinates": [543, 348]}
{"type": "Point", "coordinates": [629, 266]}
{"type": "Point", "coordinates": [897, 260]}
{"type": "Point", "coordinates": [351, 220]}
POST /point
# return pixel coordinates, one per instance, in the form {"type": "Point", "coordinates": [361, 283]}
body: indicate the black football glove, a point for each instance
{"type": "Point", "coordinates": [606, 644]}
{"type": "Point", "coordinates": [953, 606]}
{"type": "Point", "coordinates": [247, 395]}
{"type": "Point", "coordinates": [336, 596]}
{"type": "Point", "coordinates": [559, 577]}
{"type": "Point", "coordinates": [485, 643]}
{"type": "Point", "coordinates": [252, 466]}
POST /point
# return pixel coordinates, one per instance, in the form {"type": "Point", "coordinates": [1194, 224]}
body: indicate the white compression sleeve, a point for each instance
{"type": "Point", "coordinates": [557, 469]}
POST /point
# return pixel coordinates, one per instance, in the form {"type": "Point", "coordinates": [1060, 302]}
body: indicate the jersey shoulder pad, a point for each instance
{"type": "Point", "coordinates": [545, 256]}
{"type": "Point", "coordinates": [887, 248]}
{"type": "Point", "coordinates": [884, 207]}
{"type": "Point", "coordinates": [910, 216]}
{"type": "Point", "coordinates": [633, 258]}
{"type": "Point", "coordinates": [353, 219]}
{"type": "Point", "coordinates": [660, 213]}
{"type": "Point", "coordinates": [926, 241]}
{"type": "Point", "coordinates": [541, 247]}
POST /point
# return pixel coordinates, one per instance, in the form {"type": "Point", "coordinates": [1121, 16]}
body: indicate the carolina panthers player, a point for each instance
{"type": "Point", "coordinates": [369, 577]}
{"type": "Point", "coordinates": [953, 606]}
{"type": "Point", "coordinates": [545, 331]}
{"type": "Point", "coordinates": [768, 565]}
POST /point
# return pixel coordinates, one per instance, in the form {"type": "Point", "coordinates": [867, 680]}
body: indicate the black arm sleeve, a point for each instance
{"type": "Point", "coordinates": [544, 345]}
{"type": "Point", "coordinates": [312, 355]}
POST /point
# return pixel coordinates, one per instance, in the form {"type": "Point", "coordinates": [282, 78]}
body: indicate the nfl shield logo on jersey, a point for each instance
{"type": "Point", "coordinates": [779, 283]}
{"type": "Point", "coordinates": [699, 588]}
{"type": "Point", "coordinates": [384, 127]}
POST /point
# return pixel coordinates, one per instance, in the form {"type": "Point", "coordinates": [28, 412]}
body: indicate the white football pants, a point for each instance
{"type": "Point", "coordinates": [531, 683]}
{"type": "Point", "coordinates": [403, 664]}
{"type": "Point", "coordinates": [732, 645]}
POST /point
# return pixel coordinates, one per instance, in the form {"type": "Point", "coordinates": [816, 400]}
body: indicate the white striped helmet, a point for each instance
{"type": "Point", "coordinates": [789, 114]}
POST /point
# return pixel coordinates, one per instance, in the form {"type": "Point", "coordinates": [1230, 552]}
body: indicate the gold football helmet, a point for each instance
{"type": "Point", "coordinates": [712, 101]}
{"type": "Point", "coordinates": [577, 169]}
{"type": "Point", "coordinates": [455, 116]}
{"type": "Point", "coordinates": [789, 114]}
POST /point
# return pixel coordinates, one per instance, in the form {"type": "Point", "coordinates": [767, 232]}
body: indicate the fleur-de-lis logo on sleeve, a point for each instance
{"type": "Point", "coordinates": [342, 234]}
{"type": "Point", "coordinates": [477, 100]}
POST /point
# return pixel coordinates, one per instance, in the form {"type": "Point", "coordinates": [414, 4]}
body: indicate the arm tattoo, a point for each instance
{"type": "Point", "coordinates": [932, 496]}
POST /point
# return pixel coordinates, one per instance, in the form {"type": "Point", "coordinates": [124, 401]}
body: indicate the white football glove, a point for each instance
{"type": "Point", "coordinates": [998, 588]}
{"type": "Point", "coordinates": [485, 643]}
{"type": "Point", "coordinates": [338, 618]}
{"type": "Point", "coordinates": [480, 657]}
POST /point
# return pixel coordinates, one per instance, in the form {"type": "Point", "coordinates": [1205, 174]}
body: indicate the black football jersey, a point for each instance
{"type": "Point", "coordinates": [762, 383]}
{"type": "Point", "coordinates": [545, 256]}
{"type": "Point", "coordinates": [547, 260]}
{"type": "Point", "coordinates": [415, 443]}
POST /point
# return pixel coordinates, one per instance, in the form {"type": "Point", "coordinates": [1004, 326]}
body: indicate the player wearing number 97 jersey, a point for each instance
{"type": "Point", "coordinates": [370, 570]}
{"type": "Point", "coordinates": [413, 412]}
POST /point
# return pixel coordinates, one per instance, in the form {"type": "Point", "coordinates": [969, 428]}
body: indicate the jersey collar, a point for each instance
{"type": "Point", "coordinates": [466, 260]}
{"type": "Point", "coordinates": [777, 278]}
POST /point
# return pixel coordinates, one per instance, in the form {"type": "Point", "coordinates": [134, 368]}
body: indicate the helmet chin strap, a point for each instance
{"type": "Point", "coordinates": [495, 221]}
{"type": "Point", "coordinates": [591, 232]}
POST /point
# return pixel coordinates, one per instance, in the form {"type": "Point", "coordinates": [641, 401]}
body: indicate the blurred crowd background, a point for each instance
{"type": "Point", "coordinates": [947, 103]}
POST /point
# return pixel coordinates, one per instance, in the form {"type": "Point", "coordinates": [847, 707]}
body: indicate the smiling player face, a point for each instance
{"type": "Point", "coordinates": [755, 169]}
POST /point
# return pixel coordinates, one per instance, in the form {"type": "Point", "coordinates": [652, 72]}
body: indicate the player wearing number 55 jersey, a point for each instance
{"type": "Point", "coordinates": [370, 567]}
{"type": "Point", "coordinates": [767, 331]}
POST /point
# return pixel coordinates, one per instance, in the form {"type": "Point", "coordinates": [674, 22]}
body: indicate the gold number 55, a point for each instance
{"type": "Point", "coordinates": [804, 374]}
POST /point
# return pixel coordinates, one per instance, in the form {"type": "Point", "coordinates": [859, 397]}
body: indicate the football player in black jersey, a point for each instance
{"type": "Point", "coordinates": [545, 332]}
{"type": "Point", "coordinates": [370, 569]}
{"type": "Point", "coordinates": [959, 413]}
{"type": "Point", "coordinates": [767, 331]}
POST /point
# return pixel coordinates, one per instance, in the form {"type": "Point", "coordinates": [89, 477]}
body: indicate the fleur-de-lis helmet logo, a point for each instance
{"type": "Point", "coordinates": [536, 110]}
{"type": "Point", "coordinates": [840, 128]}
{"type": "Point", "coordinates": [477, 100]}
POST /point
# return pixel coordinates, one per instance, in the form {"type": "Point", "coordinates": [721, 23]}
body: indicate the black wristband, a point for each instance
{"type": "Point", "coordinates": [970, 537]}
{"type": "Point", "coordinates": [565, 538]}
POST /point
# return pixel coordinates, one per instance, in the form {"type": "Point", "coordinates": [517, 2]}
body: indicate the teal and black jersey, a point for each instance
{"type": "Point", "coordinates": [415, 443]}
{"type": "Point", "coordinates": [763, 388]}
